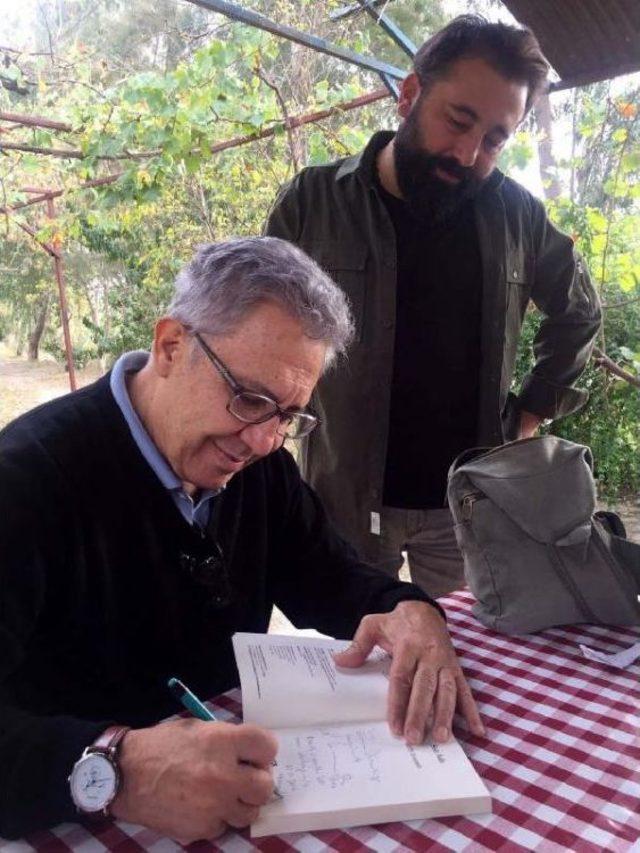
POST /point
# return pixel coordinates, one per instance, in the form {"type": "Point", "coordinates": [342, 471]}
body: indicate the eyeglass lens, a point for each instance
{"type": "Point", "coordinates": [254, 408]}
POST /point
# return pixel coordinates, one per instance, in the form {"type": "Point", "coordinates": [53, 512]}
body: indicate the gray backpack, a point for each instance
{"type": "Point", "coordinates": [535, 553]}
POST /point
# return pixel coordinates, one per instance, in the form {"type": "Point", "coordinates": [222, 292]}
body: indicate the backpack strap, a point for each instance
{"type": "Point", "coordinates": [612, 522]}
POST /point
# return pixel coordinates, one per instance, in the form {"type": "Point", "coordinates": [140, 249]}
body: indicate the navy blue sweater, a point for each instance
{"type": "Point", "coordinates": [98, 607]}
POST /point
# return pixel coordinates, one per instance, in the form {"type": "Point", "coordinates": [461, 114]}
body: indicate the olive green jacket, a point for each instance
{"type": "Point", "coordinates": [335, 213]}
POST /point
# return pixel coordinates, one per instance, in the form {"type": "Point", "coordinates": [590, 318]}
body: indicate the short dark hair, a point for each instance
{"type": "Point", "coordinates": [511, 51]}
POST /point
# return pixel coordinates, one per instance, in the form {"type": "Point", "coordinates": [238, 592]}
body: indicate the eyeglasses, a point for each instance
{"type": "Point", "coordinates": [252, 408]}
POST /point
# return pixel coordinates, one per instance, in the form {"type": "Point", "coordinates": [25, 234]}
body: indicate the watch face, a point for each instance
{"type": "Point", "coordinates": [93, 783]}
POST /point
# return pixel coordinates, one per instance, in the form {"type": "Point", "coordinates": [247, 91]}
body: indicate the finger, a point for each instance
{"type": "Point", "coordinates": [256, 745]}
{"type": "Point", "coordinates": [362, 643]}
{"type": "Point", "coordinates": [420, 708]}
{"type": "Point", "coordinates": [400, 686]}
{"type": "Point", "coordinates": [445, 705]}
{"type": "Point", "coordinates": [468, 707]}
{"type": "Point", "coordinates": [240, 814]}
{"type": "Point", "coordinates": [255, 787]}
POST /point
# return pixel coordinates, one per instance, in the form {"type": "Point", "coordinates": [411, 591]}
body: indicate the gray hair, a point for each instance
{"type": "Point", "coordinates": [224, 281]}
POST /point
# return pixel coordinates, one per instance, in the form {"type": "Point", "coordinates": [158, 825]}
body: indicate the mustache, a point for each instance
{"type": "Point", "coordinates": [448, 164]}
{"type": "Point", "coordinates": [430, 162]}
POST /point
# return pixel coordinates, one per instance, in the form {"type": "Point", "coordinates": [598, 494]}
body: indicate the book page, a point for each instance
{"type": "Point", "coordinates": [358, 773]}
{"type": "Point", "coordinates": [293, 681]}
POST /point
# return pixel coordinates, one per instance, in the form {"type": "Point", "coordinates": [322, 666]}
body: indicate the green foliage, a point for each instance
{"type": "Point", "coordinates": [151, 87]}
{"type": "Point", "coordinates": [604, 224]}
{"type": "Point", "coordinates": [608, 423]}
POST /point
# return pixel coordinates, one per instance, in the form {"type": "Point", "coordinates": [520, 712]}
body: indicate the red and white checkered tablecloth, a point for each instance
{"type": "Point", "coordinates": [561, 758]}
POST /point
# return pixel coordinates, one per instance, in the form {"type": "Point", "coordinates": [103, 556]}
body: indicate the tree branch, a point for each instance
{"type": "Point", "coordinates": [290, 123]}
{"type": "Point", "coordinates": [602, 360]}
{"type": "Point", "coordinates": [35, 121]}
{"type": "Point", "coordinates": [19, 52]}
{"type": "Point", "coordinates": [76, 154]}
{"type": "Point", "coordinates": [292, 143]}
{"type": "Point", "coordinates": [36, 149]}
{"type": "Point", "coordinates": [611, 305]}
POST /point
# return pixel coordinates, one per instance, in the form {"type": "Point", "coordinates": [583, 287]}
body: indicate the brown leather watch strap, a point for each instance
{"type": "Point", "coordinates": [110, 739]}
{"type": "Point", "coordinates": [105, 745]}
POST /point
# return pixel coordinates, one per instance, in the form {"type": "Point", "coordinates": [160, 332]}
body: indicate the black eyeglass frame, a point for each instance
{"type": "Point", "coordinates": [309, 419]}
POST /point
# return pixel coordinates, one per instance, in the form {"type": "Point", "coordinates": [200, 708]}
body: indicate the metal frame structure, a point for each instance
{"type": "Point", "coordinates": [48, 195]}
{"type": "Point", "coordinates": [54, 250]}
{"type": "Point", "coordinates": [390, 28]}
{"type": "Point", "coordinates": [389, 74]}
{"type": "Point", "coordinates": [261, 22]}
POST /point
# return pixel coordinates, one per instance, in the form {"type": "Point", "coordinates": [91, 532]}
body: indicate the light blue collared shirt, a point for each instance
{"type": "Point", "coordinates": [192, 512]}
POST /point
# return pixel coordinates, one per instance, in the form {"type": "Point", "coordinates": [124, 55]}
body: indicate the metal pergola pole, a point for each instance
{"type": "Point", "coordinates": [254, 19]}
{"type": "Point", "coordinates": [390, 28]}
{"type": "Point", "coordinates": [346, 11]}
{"type": "Point", "coordinates": [62, 296]}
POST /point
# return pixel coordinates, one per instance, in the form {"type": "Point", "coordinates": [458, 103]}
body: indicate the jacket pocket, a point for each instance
{"type": "Point", "coordinates": [345, 261]}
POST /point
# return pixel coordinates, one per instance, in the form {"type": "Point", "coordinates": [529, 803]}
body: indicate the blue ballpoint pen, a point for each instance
{"type": "Point", "coordinates": [191, 702]}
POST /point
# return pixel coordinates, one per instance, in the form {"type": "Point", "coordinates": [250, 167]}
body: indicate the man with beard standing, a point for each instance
{"type": "Point", "coordinates": [439, 254]}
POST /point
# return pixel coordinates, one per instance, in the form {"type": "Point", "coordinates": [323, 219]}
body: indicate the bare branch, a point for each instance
{"type": "Point", "coordinates": [290, 123]}
{"type": "Point", "coordinates": [334, 136]}
{"type": "Point", "coordinates": [602, 360]}
{"type": "Point", "coordinates": [19, 52]}
{"type": "Point", "coordinates": [612, 305]}
{"type": "Point", "coordinates": [6, 214]}
{"type": "Point", "coordinates": [283, 106]}
{"type": "Point", "coordinates": [35, 121]}
{"type": "Point", "coordinates": [86, 85]}
{"type": "Point", "coordinates": [76, 154]}
{"type": "Point", "coordinates": [36, 149]}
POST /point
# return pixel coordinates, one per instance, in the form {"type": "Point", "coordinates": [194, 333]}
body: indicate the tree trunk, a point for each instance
{"type": "Point", "coordinates": [92, 308]}
{"type": "Point", "coordinates": [548, 163]}
{"type": "Point", "coordinates": [36, 335]}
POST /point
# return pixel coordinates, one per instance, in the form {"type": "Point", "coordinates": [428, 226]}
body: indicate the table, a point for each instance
{"type": "Point", "coordinates": [561, 758]}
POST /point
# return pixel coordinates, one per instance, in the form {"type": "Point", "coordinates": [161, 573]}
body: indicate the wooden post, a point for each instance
{"type": "Point", "coordinates": [62, 296]}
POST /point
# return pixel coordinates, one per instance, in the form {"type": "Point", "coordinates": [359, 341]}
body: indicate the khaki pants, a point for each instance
{"type": "Point", "coordinates": [435, 562]}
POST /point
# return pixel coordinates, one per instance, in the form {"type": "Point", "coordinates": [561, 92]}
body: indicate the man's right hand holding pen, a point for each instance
{"type": "Point", "coordinates": [189, 779]}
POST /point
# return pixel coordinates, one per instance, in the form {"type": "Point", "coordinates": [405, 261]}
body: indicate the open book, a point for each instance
{"type": "Point", "coordinates": [338, 764]}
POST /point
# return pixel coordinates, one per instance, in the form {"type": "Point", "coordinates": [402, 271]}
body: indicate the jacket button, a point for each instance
{"type": "Point", "coordinates": [515, 274]}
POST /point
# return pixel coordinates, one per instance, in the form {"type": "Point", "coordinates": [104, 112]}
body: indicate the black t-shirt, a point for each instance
{"type": "Point", "coordinates": [434, 394]}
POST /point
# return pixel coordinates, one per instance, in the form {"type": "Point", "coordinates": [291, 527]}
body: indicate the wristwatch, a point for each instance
{"type": "Point", "coordinates": [95, 778]}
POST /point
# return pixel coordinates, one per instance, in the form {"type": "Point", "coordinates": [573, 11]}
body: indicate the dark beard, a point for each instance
{"type": "Point", "coordinates": [428, 197]}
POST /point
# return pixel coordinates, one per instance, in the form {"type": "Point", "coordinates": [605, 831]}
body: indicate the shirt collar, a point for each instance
{"type": "Point", "coordinates": [364, 163]}
{"type": "Point", "coordinates": [132, 362]}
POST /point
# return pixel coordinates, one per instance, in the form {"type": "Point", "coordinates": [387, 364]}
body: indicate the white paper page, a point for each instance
{"type": "Point", "coordinates": [292, 681]}
{"type": "Point", "coordinates": [620, 660]}
{"type": "Point", "coordinates": [358, 773]}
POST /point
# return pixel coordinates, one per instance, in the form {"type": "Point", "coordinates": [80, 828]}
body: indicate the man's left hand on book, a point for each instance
{"type": "Point", "coordinates": [426, 682]}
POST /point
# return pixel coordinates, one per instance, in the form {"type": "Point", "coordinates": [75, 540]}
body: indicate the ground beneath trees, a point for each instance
{"type": "Point", "coordinates": [25, 384]}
